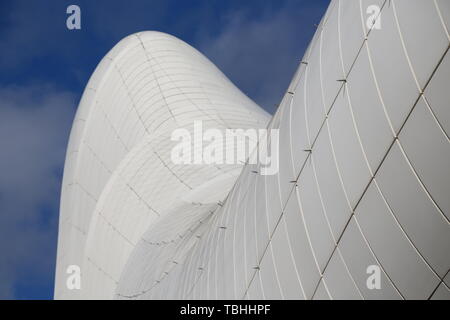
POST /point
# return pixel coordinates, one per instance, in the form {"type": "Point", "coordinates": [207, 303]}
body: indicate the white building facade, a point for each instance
{"type": "Point", "coordinates": [359, 208]}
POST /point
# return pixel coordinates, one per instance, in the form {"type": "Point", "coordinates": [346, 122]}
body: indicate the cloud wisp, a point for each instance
{"type": "Point", "coordinates": [34, 125]}
{"type": "Point", "coordinates": [261, 55]}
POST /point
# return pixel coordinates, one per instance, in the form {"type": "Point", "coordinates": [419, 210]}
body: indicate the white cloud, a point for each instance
{"type": "Point", "coordinates": [34, 126]}
{"type": "Point", "coordinates": [261, 55]}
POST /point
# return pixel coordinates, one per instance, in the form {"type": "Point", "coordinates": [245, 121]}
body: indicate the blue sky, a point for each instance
{"type": "Point", "coordinates": [44, 68]}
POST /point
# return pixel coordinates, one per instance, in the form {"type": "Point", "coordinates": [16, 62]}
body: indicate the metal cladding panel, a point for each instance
{"type": "Point", "coordinates": [332, 193]}
{"type": "Point", "coordinates": [298, 133]}
{"type": "Point", "coordinates": [339, 281]}
{"type": "Point", "coordinates": [441, 293]}
{"type": "Point", "coordinates": [394, 250]}
{"type": "Point", "coordinates": [350, 158]}
{"type": "Point", "coordinates": [417, 36]}
{"type": "Point", "coordinates": [398, 89]}
{"type": "Point", "coordinates": [358, 255]}
{"type": "Point", "coordinates": [444, 13]}
{"type": "Point", "coordinates": [288, 277]}
{"type": "Point", "coordinates": [438, 96]}
{"type": "Point", "coordinates": [302, 253]}
{"type": "Point", "coordinates": [354, 33]}
{"type": "Point", "coordinates": [428, 149]}
{"type": "Point", "coordinates": [372, 128]}
{"type": "Point", "coordinates": [269, 276]}
{"type": "Point", "coordinates": [321, 292]}
{"type": "Point", "coordinates": [447, 280]}
{"type": "Point", "coordinates": [362, 183]}
{"type": "Point", "coordinates": [315, 218]}
{"type": "Point", "coordinates": [286, 173]}
{"type": "Point", "coordinates": [415, 211]}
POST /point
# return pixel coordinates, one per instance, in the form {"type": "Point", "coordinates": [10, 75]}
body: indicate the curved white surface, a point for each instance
{"type": "Point", "coordinates": [119, 178]}
{"type": "Point", "coordinates": [364, 170]}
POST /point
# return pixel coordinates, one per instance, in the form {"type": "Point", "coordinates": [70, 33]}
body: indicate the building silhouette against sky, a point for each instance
{"type": "Point", "coordinates": [362, 188]}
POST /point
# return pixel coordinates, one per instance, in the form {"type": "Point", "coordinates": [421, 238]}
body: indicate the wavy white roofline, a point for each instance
{"type": "Point", "coordinates": [363, 176]}
{"type": "Point", "coordinates": [150, 83]}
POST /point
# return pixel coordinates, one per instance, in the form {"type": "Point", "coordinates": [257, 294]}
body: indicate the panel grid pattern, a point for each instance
{"type": "Point", "coordinates": [363, 175]}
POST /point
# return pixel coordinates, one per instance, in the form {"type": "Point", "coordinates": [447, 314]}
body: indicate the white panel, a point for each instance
{"type": "Point", "coordinates": [444, 9]}
{"type": "Point", "coordinates": [285, 173]}
{"type": "Point", "coordinates": [261, 225]}
{"type": "Point", "coordinates": [330, 59]}
{"type": "Point", "coordinates": [428, 149]}
{"type": "Point", "coordinates": [358, 257]}
{"type": "Point", "coordinates": [299, 135]}
{"type": "Point", "coordinates": [386, 51]}
{"type": "Point", "coordinates": [269, 276]}
{"type": "Point", "coordinates": [438, 95]}
{"type": "Point", "coordinates": [415, 211]}
{"type": "Point", "coordinates": [334, 200]}
{"type": "Point", "coordinates": [441, 293]}
{"type": "Point", "coordinates": [339, 282]}
{"type": "Point", "coordinates": [284, 263]}
{"type": "Point", "coordinates": [321, 292]}
{"type": "Point", "coordinates": [240, 266]}
{"type": "Point", "coordinates": [349, 156]}
{"type": "Point", "coordinates": [315, 110]}
{"type": "Point", "coordinates": [351, 34]}
{"type": "Point", "coordinates": [367, 10]}
{"type": "Point", "coordinates": [447, 279]}
{"type": "Point", "coordinates": [250, 229]}
{"type": "Point", "coordinates": [301, 249]}
{"type": "Point", "coordinates": [416, 36]}
{"type": "Point", "coordinates": [370, 116]}
{"type": "Point", "coordinates": [255, 290]}
{"type": "Point", "coordinates": [394, 251]}
{"type": "Point", "coordinates": [273, 202]}
{"type": "Point", "coordinates": [315, 220]}
{"type": "Point", "coordinates": [230, 213]}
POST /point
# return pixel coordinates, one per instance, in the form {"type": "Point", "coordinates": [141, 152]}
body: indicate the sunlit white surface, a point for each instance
{"type": "Point", "coordinates": [364, 170]}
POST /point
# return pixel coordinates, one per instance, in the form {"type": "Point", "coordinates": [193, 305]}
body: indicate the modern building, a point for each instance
{"type": "Point", "coordinates": [360, 205]}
